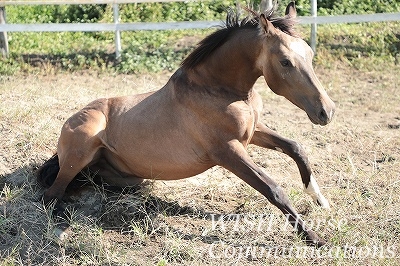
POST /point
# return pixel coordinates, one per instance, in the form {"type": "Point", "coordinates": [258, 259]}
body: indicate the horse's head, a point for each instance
{"type": "Point", "coordinates": [286, 63]}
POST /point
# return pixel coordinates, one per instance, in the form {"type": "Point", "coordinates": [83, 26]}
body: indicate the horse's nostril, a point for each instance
{"type": "Point", "coordinates": [323, 116]}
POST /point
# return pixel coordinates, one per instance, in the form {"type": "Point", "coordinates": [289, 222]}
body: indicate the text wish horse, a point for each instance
{"type": "Point", "coordinates": [206, 115]}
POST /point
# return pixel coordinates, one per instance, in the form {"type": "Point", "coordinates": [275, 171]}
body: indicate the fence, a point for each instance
{"type": "Point", "coordinates": [117, 26]}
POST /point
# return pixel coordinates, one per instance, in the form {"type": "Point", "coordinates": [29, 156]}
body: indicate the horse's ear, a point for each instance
{"type": "Point", "coordinates": [291, 10]}
{"type": "Point", "coordinates": [266, 25]}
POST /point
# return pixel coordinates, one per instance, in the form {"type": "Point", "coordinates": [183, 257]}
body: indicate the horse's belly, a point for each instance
{"type": "Point", "coordinates": [163, 172]}
{"type": "Point", "coordinates": [166, 169]}
{"type": "Point", "coordinates": [160, 161]}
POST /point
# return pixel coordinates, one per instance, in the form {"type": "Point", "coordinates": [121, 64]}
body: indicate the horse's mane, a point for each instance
{"type": "Point", "coordinates": [234, 23]}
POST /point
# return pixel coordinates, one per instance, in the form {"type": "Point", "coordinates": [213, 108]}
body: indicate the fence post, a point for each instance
{"type": "Point", "coordinates": [3, 35]}
{"type": "Point", "coordinates": [117, 32]}
{"type": "Point", "coordinates": [313, 37]}
{"type": "Point", "coordinates": [265, 5]}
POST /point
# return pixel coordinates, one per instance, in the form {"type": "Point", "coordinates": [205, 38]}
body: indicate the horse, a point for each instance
{"type": "Point", "coordinates": [205, 115]}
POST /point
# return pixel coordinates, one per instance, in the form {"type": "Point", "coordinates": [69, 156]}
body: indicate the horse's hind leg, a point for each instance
{"type": "Point", "coordinates": [78, 146]}
{"type": "Point", "coordinates": [267, 138]}
{"type": "Point", "coordinates": [71, 163]}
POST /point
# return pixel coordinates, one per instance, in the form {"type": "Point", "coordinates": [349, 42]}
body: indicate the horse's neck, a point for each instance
{"type": "Point", "coordinates": [231, 66]}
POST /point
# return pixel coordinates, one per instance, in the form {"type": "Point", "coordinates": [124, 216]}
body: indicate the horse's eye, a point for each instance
{"type": "Point", "coordinates": [286, 63]}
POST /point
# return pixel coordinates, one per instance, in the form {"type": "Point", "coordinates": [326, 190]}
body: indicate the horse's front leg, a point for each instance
{"type": "Point", "coordinates": [236, 159]}
{"type": "Point", "coordinates": [267, 138]}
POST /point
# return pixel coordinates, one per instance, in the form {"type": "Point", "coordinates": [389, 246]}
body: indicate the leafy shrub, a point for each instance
{"type": "Point", "coordinates": [339, 7]}
{"type": "Point", "coordinates": [179, 11]}
{"type": "Point", "coordinates": [55, 13]}
{"type": "Point", "coordinates": [83, 13]}
{"type": "Point", "coordinates": [157, 50]}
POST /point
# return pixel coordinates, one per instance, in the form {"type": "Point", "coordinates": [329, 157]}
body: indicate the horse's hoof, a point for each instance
{"type": "Point", "coordinates": [46, 200]}
{"type": "Point", "coordinates": [312, 239]}
{"type": "Point", "coordinates": [323, 202]}
{"type": "Point", "coordinates": [57, 205]}
{"type": "Point", "coordinates": [60, 233]}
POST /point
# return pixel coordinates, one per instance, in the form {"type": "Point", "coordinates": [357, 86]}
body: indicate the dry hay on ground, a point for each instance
{"type": "Point", "coordinates": [355, 159]}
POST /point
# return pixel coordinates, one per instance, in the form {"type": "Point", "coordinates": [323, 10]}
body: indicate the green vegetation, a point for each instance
{"type": "Point", "coordinates": [335, 7]}
{"type": "Point", "coordinates": [153, 51]}
{"type": "Point", "coordinates": [363, 46]}
{"type": "Point", "coordinates": [341, 7]}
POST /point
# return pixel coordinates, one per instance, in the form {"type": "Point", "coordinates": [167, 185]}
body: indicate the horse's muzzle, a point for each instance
{"type": "Point", "coordinates": [324, 116]}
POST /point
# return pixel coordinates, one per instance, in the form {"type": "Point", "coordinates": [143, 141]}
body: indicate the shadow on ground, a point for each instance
{"type": "Point", "coordinates": [28, 230]}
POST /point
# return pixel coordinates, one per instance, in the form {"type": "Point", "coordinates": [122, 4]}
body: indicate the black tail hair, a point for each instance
{"type": "Point", "coordinates": [47, 173]}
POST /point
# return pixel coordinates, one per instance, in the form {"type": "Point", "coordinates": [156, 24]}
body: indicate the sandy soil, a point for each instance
{"type": "Point", "coordinates": [355, 159]}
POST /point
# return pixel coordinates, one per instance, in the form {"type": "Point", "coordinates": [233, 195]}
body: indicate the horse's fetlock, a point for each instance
{"type": "Point", "coordinates": [278, 196]}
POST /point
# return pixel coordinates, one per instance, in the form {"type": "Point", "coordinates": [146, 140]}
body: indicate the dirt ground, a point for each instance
{"type": "Point", "coordinates": [355, 160]}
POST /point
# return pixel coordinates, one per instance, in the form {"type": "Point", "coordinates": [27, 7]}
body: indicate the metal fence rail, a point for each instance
{"type": "Point", "coordinates": [54, 27]}
{"type": "Point", "coordinates": [117, 26]}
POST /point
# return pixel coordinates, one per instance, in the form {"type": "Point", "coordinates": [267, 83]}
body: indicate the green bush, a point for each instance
{"type": "Point", "coordinates": [139, 12]}
{"type": "Point", "coordinates": [83, 13]}
{"type": "Point", "coordinates": [55, 13]}
{"type": "Point", "coordinates": [179, 11]}
{"type": "Point", "coordinates": [336, 7]}
{"type": "Point", "coordinates": [157, 50]}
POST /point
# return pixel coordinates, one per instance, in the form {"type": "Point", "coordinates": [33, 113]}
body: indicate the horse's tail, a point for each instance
{"type": "Point", "coordinates": [47, 173]}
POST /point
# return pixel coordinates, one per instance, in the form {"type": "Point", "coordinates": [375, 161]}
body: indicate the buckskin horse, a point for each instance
{"type": "Point", "coordinates": [206, 115]}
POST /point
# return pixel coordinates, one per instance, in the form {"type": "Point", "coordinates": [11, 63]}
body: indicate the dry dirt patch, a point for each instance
{"type": "Point", "coordinates": [355, 159]}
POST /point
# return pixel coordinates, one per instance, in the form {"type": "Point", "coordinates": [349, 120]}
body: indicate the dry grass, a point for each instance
{"type": "Point", "coordinates": [355, 158]}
